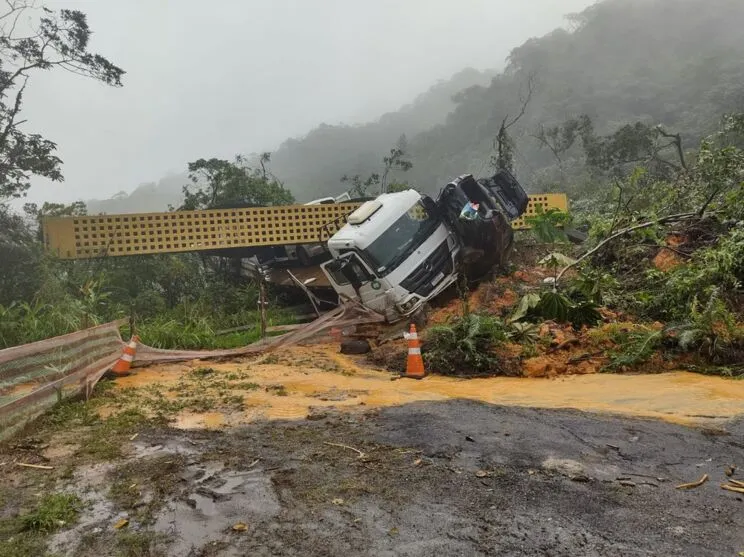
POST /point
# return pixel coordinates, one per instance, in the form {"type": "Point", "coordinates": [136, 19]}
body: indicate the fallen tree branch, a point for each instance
{"type": "Point", "coordinates": [663, 220]}
{"type": "Point", "coordinates": [695, 484]}
{"type": "Point", "coordinates": [361, 454]}
{"type": "Point", "coordinates": [732, 488]}
{"type": "Point", "coordinates": [36, 466]}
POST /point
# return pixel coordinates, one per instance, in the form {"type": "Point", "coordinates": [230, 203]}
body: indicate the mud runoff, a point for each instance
{"type": "Point", "coordinates": [421, 479]}
{"type": "Point", "coordinates": [308, 381]}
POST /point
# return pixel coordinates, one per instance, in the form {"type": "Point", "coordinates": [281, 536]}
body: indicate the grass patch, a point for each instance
{"type": "Point", "coordinates": [21, 544]}
{"type": "Point", "coordinates": [25, 535]}
{"type": "Point", "coordinates": [245, 386]}
{"type": "Point", "coordinates": [105, 439]}
{"type": "Point", "coordinates": [53, 512]}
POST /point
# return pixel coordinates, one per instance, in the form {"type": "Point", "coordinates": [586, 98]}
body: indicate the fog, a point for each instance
{"type": "Point", "coordinates": [225, 77]}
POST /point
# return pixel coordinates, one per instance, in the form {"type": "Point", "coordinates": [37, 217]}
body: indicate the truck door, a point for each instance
{"type": "Point", "coordinates": [351, 277]}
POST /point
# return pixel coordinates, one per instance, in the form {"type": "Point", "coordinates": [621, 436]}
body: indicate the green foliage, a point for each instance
{"type": "Point", "coordinates": [23, 322]}
{"type": "Point", "coordinates": [525, 306]}
{"type": "Point", "coordinates": [670, 295]}
{"type": "Point", "coordinates": [47, 40]}
{"type": "Point", "coordinates": [191, 331]}
{"type": "Point", "coordinates": [711, 330]}
{"type": "Point", "coordinates": [219, 183]}
{"type": "Point", "coordinates": [636, 347]}
{"type": "Point", "coordinates": [54, 511]}
{"type": "Point", "coordinates": [546, 225]}
{"type": "Point", "coordinates": [556, 260]}
{"type": "Point", "coordinates": [465, 346]}
{"type": "Point", "coordinates": [595, 284]}
{"type": "Point", "coordinates": [523, 333]}
{"type": "Point", "coordinates": [555, 306]}
{"type": "Point", "coordinates": [584, 313]}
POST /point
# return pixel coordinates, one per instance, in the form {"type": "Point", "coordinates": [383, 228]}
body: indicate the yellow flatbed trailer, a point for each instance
{"type": "Point", "coordinates": [119, 235]}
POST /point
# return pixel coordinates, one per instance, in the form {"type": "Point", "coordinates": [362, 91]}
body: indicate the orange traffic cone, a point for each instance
{"type": "Point", "coordinates": [124, 363]}
{"type": "Point", "coordinates": [414, 364]}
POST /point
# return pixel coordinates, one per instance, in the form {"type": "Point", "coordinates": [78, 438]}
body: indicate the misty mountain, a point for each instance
{"type": "Point", "coordinates": [671, 62]}
{"type": "Point", "coordinates": [332, 147]}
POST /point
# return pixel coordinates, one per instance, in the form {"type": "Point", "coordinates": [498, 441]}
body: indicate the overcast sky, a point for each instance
{"type": "Point", "coordinates": [238, 76]}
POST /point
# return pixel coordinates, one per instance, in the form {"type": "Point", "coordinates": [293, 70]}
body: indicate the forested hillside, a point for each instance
{"type": "Point", "coordinates": [671, 62]}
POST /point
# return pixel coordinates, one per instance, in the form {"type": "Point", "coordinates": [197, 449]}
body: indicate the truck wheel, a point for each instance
{"type": "Point", "coordinates": [355, 347]}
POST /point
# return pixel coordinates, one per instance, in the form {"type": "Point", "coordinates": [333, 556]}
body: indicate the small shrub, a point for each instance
{"type": "Point", "coordinates": [522, 332]}
{"type": "Point", "coordinates": [547, 226]}
{"type": "Point", "coordinates": [712, 330]}
{"type": "Point", "coordinates": [465, 346]}
{"type": "Point", "coordinates": [53, 512]}
{"type": "Point", "coordinates": [636, 347]}
{"type": "Point", "coordinates": [554, 306]}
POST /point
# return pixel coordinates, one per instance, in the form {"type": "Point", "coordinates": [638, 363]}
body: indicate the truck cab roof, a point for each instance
{"type": "Point", "coordinates": [375, 217]}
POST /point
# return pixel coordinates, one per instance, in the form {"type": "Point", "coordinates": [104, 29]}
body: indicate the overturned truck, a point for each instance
{"type": "Point", "coordinates": [402, 249]}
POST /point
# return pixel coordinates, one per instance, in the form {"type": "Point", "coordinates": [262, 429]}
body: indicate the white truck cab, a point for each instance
{"type": "Point", "coordinates": [402, 249]}
{"type": "Point", "coordinates": [394, 253]}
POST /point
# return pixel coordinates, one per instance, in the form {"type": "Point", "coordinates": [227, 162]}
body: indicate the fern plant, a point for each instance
{"type": "Point", "coordinates": [711, 330]}
{"type": "Point", "coordinates": [464, 346]}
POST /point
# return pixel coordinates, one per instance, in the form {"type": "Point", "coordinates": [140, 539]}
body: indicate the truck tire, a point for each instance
{"type": "Point", "coordinates": [355, 347]}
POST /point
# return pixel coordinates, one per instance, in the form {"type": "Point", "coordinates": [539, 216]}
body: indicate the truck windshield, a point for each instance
{"type": "Point", "coordinates": [397, 242]}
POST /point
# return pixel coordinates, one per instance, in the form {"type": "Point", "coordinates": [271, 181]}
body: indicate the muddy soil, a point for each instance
{"type": "Point", "coordinates": [427, 478]}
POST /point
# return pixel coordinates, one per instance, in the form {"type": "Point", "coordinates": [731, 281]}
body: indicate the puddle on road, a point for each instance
{"type": "Point", "coordinates": [220, 500]}
{"type": "Point", "coordinates": [308, 388]}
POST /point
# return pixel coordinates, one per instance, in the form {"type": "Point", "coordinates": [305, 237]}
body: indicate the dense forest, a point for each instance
{"type": "Point", "coordinates": [671, 62]}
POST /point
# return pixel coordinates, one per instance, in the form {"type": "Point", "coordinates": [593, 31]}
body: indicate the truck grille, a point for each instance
{"type": "Point", "coordinates": [421, 280]}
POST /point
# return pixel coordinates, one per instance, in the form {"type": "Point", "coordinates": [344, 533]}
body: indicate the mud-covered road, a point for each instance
{"type": "Point", "coordinates": [421, 479]}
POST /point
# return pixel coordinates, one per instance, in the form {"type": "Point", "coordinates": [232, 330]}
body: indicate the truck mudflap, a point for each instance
{"type": "Point", "coordinates": [487, 238]}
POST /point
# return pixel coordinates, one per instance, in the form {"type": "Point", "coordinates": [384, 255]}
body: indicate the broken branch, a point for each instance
{"type": "Point", "coordinates": [37, 466]}
{"type": "Point", "coordinates": [732, 488]}
{"type": "Point", "coordinates": [693, 485]}
{"type": "Point", "coordinates": [361, 454]}
{"type": "Point", "coordinates": [669, 218]}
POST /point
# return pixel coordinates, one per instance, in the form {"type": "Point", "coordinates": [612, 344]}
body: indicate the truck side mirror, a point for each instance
{"type": "Point", "coordinates": [430, 205]}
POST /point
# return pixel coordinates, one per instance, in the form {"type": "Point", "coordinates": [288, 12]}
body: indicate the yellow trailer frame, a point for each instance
{"type": "Point", "coordinates": [213, 229]}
